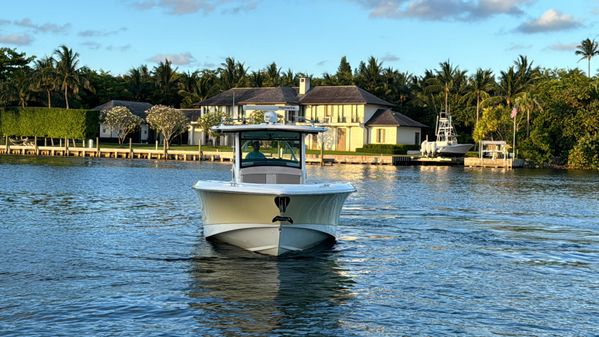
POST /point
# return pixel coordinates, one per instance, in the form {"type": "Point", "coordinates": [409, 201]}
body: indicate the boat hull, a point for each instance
{"type": "Point", "coordinates": [454, 150]}
{"type": "Point", "coordinates": [250, 216]}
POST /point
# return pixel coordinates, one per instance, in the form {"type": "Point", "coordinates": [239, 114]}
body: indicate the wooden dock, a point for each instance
{"type": "Point", "coordinates": [125, 153]}
{"type": "Point", "coordinates": [506, 163]}
{"type": "Point", "coordinates": [217, 156]}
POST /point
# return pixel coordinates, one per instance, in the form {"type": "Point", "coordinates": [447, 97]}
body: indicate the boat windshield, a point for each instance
{"type": "Point", "coordinates": [270, 148]}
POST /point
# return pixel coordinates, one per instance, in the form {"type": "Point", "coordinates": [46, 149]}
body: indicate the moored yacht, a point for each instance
{"type": "Point", "coordinates": [446, 144]}
{"type": "Point", "coordinates": [269, 206]}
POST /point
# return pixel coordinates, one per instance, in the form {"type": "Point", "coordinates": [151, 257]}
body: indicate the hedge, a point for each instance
{"type": "Point", "coordinates": [387, 148]}
{"type": "Point", "coordinates": [52, 123]}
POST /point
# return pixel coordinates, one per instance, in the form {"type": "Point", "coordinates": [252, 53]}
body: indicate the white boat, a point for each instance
{"type": "Point", "coordinates": [269, 207]}
{"type": "Point", "coordinates": [446, 143]}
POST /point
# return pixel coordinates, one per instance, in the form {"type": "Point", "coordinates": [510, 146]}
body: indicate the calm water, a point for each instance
{"type": "Point", "coordinates": [105, 247]}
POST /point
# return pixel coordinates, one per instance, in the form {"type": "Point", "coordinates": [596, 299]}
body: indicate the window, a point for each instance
{"type": "Point", "coordinates": [270, 148]}
{"type": "Point", "coordinates": [416, 138]}
{"type": "Point", "coordinates": [380, 136]}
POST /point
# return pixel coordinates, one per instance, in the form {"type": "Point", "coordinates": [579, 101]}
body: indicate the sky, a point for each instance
{"type": "Point", "coordinates": [308, 36]}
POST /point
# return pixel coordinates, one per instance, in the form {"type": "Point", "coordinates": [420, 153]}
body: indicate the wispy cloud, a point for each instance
{"type": "Point", "coordinates": [435, 10]}
{"type": "Point", "coordinates": [16, 39]}
{"type": "Point", "coordinates": [182, 7]}
{"type": "Point", "coordinates": [44, 28]}
{"type": "Point", "coordinates": [569, 47]}
{"type": "Point", "coordinates": [122, 48]}
{"type": "Point", "coordinates": [181, 59]}
{"type": "Point", "coordinates": [98, 33]}
{"type": "Point", "coordinates": [4, 22]}
{"type": "Point", "coordinates": [515, 46]}
{"type": "Point", "coordinates": [390, 58]}
{"type": "Point", "coordinates": [550, 21]}
{"type": "Point", "coordinates": [322, 63]}
{"type": "Point", "coordinates": [92, 45]}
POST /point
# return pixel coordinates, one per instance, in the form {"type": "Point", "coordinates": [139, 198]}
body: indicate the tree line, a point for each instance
{"type": "Point", "coordinates": [556, 115]}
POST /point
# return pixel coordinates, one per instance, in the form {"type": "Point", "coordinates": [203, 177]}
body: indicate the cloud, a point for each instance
{"type": "Point", "coordinates": [181, 59]}
{"type": "Point", "coordinates": [390, 58]}
{"type": "Point", "coordinates": [515, 46]}
{"type": "Point", "coordinates": [16, 39]}
{"type": "Point", "coordinates": [122, 48]}
{"type": "Point", "coordinates": [569, 47]}
{"type": "Point", "coordinates": [4, 22]}
{"type": "Point", "coordinates": [322, 63]}
{"type": "Point", "coordinates": [550, 21]}
{"type": "Point", "coordinates": [44, 28]}
{"type": "Point", "coordinates": [92, 45]}
{"type": "Point", "coordinates": [436, 10]}
{"type": "Point", "coordinates": [97, 33]}
{"type": "Point", "coordinates": [183, 7]}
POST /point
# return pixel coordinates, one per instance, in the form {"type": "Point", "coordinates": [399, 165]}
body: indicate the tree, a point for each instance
{"type": "Point", "coordinates": [168, 121]}
{"type": "Point", "coordinates": [479, 88]}
{"type": "Point", "coordinates": [21, 86]}
{"type": "Point", "coordinates": [446, 81]}
{"type": "Point", "coordinates": [166, 80]}
{"type": "Point", "coordinates": [587, 49]}
{"type": "Point", "coordinates": [139, 83]}
{"type": "Point", "coordinates": [232, 74]}
{"type": "Point", "coordinates": [208, 120]}
{"type": "Point", "coordinates": [44, 77]}
{"type": "Point", "coordinates": [11, 60]}
{"type": "Point", "coordinates": [68, 73]}
{"type": "Point", "coordinates": [344, 74]}
{"type": "Point", "coordinates": [272, 75]}
{"type": "Point", "coordinates": [120, 118]}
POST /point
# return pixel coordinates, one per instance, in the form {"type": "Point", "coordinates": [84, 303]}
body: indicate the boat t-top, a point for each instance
{"type": "Point", "coordinates": [446, 143]}
{"type": "Point", "coordinates": [269, 206]}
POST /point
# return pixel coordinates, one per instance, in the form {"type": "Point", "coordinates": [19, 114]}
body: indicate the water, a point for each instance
{"type": "Point", "coordinates": [114, 247]}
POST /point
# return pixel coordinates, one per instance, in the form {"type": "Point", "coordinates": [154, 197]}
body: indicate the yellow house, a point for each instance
{"type": "Point", "coordinates": [354, 117]}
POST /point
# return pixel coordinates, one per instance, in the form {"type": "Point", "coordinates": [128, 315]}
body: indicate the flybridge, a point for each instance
{"type": "Point", "coordinates": [271, 107]}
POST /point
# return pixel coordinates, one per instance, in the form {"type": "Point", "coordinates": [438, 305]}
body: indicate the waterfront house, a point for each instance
{"type": "Point", "coordinates": [137, 108]}
{"type": "Point", "coordinates": [354, 117]}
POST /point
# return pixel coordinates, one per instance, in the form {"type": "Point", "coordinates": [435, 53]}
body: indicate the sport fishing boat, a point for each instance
{"type": "Point", "coordinates": [446, 144]}
{"type": "Point", "coordinates": [269, 207]}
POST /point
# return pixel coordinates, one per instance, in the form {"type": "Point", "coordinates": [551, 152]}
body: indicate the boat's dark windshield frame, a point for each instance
{"type": "Point", "coordinates": [271, 135]}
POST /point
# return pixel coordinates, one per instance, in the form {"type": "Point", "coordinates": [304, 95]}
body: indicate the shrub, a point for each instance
{"type": "Point", "coordinates": [49, 122]}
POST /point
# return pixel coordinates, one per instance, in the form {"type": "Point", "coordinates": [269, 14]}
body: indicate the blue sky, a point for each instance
{"type": "Point", "coordinates": [307, 36]}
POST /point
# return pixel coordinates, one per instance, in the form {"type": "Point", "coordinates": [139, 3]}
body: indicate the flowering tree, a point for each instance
{"type": "Point", "coordinates": [122, 120]}
{"type": "Point", "coordinates": [210, 119]}
{"type": "Point", "coordinates": [166, 120]}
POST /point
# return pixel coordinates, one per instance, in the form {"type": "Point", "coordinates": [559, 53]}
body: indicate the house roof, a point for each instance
{"type": "Point", "coordinates": [389, 117]}
{"type": "Point", "coordinates": [137, 108]}
{"type": "Point", "coordinates": [270, 95]}
{"type": "Point", "coordinates": [345, 94]}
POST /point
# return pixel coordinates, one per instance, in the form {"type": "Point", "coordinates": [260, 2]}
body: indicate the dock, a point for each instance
{"type": "Point", "coordinates": [220, 156]}
{"type": "Point", "coordinates": [505, 163]}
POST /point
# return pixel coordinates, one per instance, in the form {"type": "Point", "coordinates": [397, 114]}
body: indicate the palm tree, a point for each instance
{"type": "Point", "coordinates": [232, 73]}
{"type": "Point", "coordinates": [68, 73]}
{"type": "Point", "coordinates": [45, 77]}
{"type": "Point", "coordinates": [166, 80]}
{"type": "Point", "coordinates": [273, 75]}
{"type": "Point", "coordinates": [21, 85]}
{"type": "Point", "coordinates": [587, 49]}
{"type": "Point", "coordinates": [479, 88]}
{"type": "Point", "coordinates": [446, 80]}
{"type": "Point", "coordinates": [527, 103]}
{"type": "Point", "coordinates": [138, 83]}
{"type": "Point", "coordinates": [369, 76]}
{"type": "Point", "coordinates": [189, 88]}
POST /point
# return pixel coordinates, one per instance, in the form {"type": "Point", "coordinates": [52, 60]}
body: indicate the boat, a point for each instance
{"type": "Point", "coordinates": [270, 206]}
{"type": "Point", "coordinates": [446, 143]}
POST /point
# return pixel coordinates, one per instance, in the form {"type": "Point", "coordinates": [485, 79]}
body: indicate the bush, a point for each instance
{"type": "Point", "coordinates": [53, 123]}
{"type": "Point", "coordinates": [387, 148]}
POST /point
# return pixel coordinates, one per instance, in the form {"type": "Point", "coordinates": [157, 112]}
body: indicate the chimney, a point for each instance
{"type": "Point", "coordinates": [304, 85]}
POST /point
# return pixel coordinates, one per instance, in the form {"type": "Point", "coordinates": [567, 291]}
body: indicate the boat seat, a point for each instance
{"type": "Point", "coordinates": [271, 175]}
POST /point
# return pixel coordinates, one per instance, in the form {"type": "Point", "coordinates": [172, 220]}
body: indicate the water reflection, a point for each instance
{"type": "Point", "coordinates": [242, 294]}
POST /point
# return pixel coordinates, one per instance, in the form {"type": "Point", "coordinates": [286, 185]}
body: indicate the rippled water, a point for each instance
{"type": "Point", "coordinates": [114, 247]}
